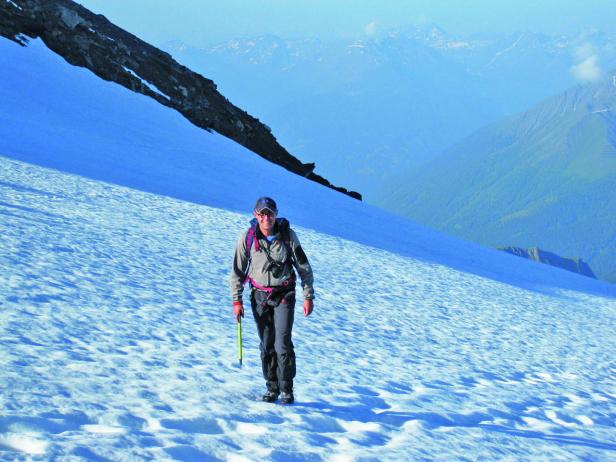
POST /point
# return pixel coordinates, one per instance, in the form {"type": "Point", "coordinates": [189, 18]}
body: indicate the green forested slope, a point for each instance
{"type": "Point", "coordinates": [544, 178]}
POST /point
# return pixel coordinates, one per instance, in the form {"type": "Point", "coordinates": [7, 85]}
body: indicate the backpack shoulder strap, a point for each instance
{"type": "Point", "coordinates": [283, 228]}
{"type": "Point", "coordinates": [251, 237]}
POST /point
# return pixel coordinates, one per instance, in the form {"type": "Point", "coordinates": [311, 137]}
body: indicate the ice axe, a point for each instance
{"type": "Point", "coordinates": [239, 339]}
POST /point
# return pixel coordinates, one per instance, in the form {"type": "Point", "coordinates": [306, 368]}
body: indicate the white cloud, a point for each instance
{"type": "Point", "coordinates": [587, 70]}
{"type": "Point", "coordinates": [370, 28]}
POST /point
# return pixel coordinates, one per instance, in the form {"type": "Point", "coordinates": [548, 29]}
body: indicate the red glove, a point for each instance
{"type": "Point", "coordinates": [308, 307]}
{"type": "Point", "coordinates": [238, 310]}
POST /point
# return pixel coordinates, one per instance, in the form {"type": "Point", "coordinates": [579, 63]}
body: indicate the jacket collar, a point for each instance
{"type": "Point", "coordinates": [260, 235]}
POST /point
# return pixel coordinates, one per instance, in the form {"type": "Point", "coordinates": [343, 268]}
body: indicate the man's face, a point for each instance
{"type": "Point", "coordinates": [266, 219]}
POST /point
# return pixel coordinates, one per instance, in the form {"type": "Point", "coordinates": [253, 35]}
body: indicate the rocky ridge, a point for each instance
{"type": "Point", "coordinates": [88, 40]}
{"type": "Point", "coordinates": [576, 265]}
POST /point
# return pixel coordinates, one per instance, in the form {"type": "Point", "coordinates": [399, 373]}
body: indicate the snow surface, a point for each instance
{"type": "Point", "coordinates": [116, 335]}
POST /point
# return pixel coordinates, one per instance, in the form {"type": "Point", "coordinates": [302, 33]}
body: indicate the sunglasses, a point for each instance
{"type": "Point", "coordinates": [266, 213]}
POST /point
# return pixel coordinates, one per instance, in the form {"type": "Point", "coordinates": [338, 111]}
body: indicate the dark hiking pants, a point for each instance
{"type": "Point", "coordinates": [274, 318]}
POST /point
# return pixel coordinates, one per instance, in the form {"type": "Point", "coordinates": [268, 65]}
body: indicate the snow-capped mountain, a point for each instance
{"type": "Point", "coordinates": [117, 339]}
{"type": "Point", "coordinates": [365, 109]}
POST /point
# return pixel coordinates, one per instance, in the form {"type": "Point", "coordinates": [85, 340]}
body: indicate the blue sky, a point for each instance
{"type": "Point", "coordinates": [202, 22]}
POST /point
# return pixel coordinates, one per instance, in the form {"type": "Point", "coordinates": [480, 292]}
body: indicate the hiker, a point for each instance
{"type": "Point", "coordinates": [265, 256]}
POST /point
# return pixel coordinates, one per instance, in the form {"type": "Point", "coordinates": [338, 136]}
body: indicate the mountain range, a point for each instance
{"type": "Point", "coordinates": [366, 109]}
{"type": "Point", "coordinates": [543, 178]}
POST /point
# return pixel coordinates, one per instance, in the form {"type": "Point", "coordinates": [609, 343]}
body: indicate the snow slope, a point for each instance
{"type": "Point", "coordinates": [117, 342]}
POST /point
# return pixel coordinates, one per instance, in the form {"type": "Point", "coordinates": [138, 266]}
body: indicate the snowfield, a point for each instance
{"type": "Point", "coordinates": [117, 341]}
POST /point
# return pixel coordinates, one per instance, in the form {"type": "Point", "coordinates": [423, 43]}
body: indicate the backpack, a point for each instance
{"type": "Point", "coordinates": [283, 228]}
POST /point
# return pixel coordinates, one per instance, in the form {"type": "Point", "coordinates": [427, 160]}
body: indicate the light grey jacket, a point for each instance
{"type": "Point", "coordinates": [259, 269]}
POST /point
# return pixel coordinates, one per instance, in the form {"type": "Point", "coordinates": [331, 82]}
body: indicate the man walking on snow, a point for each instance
{"type": "Point", "coordinates": [265, 256]}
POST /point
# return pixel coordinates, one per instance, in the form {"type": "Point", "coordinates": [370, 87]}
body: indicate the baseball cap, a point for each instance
{"type": "Point", "coordinates": [265, 203]}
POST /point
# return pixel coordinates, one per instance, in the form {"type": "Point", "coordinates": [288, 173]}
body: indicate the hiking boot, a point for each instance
{"type": "Point", "coordinates": [287, 398]}
{"type": "Point", "coordinates": [270, 396]}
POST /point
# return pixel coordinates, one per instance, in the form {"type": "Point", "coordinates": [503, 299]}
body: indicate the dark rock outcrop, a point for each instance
{"type": "Point", "coordinates": [85, 39]}
{"type": "Point", "coordinates": [576, 265]}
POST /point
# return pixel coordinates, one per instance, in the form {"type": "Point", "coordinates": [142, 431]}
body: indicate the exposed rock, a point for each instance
{"type": "Point", "coordinates": [576, 265]}
{"type": "Point", "coordinates": [85, 39]}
